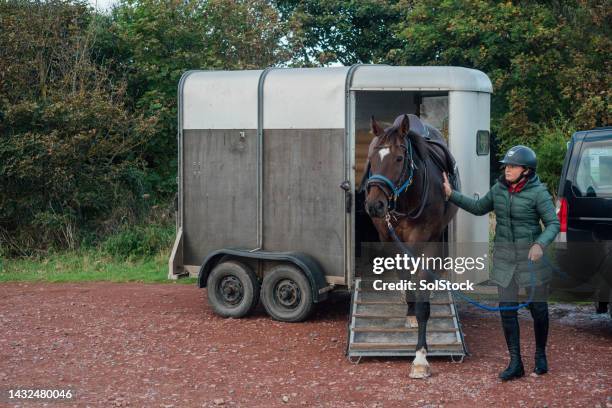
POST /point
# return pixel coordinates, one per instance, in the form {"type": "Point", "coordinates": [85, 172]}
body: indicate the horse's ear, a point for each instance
{"type": "Point", "coordinates": [405, 125]}
{"type": "Point", "coordinates": [374, 128]}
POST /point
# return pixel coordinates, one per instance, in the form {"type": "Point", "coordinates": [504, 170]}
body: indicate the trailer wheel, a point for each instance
{"type": "Point", "coordinates": [232, 289]}
{"type": "Point", "coordinates": [286, 294]}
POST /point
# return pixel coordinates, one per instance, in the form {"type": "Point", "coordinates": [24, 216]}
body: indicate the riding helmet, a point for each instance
{"type": "Point", "coordinates": [520, 156]}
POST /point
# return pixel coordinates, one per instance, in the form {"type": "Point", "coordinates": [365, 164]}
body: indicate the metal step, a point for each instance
{"type": "Point", "coordinates": [396, 330]}
{"type": "Point", "coordinates": [402, 349]}
{"type": "Point", "coordinates": [378, 325]}
{"type": "Point", "coordinates": [398, 302]}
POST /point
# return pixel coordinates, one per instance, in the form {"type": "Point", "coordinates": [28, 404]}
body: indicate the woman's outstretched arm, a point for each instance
{"type": "Point", "coordinates": [479, 206]}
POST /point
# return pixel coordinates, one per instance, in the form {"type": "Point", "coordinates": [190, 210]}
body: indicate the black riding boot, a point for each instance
{"type": "Point", "coordinates": [539, 312]}
{"type": "Point", "coordinates": [510, 325]}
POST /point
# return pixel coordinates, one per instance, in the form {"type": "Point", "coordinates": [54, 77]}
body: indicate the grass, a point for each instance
{"type": "Point", "coordinates": [136, 253]}
{"type": "Point", "coordinates": [88, 266]}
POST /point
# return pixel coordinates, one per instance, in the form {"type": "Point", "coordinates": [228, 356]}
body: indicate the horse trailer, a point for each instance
{"type": "Point", "coordinates": [270, 163]}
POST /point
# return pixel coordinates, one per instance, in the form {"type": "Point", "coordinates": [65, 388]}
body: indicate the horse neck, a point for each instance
{"type": "Point", "coordinates": [410, 199]}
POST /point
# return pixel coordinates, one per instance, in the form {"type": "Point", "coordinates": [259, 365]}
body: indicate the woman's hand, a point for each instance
{"type": "Point", "coordinates": [447, 187]}
{"type": "Point", "coordinates": [535, 253]}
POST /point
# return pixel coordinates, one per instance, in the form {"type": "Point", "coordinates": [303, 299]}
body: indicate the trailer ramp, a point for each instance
{"type": "Point", "coordinates": [377, 325]}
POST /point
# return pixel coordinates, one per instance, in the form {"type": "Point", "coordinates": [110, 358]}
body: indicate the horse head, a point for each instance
{"type": "Point", "coordinates": [391, 163]}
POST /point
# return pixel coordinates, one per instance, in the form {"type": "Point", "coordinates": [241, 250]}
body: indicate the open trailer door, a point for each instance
{"type": "Point", "coordinates": [456, 101]}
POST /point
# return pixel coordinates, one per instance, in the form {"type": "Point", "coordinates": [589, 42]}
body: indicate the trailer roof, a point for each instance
{"type": "Point", "coordinates": [421, 78]}
{"type": "Point", "coordinates": [303, 97]}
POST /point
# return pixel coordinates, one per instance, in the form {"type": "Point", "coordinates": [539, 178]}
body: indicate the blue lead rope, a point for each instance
{"type": "Point", "coordinates": [471, 301]}
{"type": "Point", "coordinates": [520, 305]}
{"type": "Point", "coordinates": [502, 308]}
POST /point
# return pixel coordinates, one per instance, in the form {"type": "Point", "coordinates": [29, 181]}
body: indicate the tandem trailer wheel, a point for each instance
{"type": "Point", "coordinates": [233, 289]}
{"type": "Point", "coordinates": [286, 294]}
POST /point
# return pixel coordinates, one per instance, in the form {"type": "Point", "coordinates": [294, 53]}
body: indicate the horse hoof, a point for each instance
{"type": "Point", "coordinates": [411, 321]}
{"type": "Point", "coordinates": [420, 371]}
{"type": "Point", "coordinates": [420, 366]}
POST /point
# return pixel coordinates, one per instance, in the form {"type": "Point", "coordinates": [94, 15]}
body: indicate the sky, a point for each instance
{"type": "Point", "coordinates": [102, 5]}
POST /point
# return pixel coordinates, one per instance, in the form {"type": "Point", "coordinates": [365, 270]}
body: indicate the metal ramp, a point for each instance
{"type": "Point", "coordinates": [377, 325]}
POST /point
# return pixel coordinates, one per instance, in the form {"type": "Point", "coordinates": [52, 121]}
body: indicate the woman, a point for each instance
{"type": "Point", "coordinates": [520, 201]}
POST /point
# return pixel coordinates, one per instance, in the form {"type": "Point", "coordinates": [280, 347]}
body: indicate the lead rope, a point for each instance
{"type": "Point", "coordinates": [425, 193]}
{"type": "Point", "coordinates": [407, 250]}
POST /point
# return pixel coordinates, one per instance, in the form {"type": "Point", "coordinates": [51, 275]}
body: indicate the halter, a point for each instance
{"type": "Point", "coordinates": [395, 190]}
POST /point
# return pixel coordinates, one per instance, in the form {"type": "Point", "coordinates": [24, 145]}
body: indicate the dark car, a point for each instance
{"type": "Point", "coordinates": [584, 207]}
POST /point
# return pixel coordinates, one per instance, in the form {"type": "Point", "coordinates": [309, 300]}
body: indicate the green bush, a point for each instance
{"type": "Point", "coordinates": [71, 150]}
{"type": "Point", "coordinates": [551, 147]}
{"type": "Point", "coordinates": [140, 241]}
{"type": "Point", "coordinates": [88, 111]}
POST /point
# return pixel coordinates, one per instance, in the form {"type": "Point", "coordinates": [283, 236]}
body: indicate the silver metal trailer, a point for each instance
{"type": "Point", "coordinates": [270, 161]}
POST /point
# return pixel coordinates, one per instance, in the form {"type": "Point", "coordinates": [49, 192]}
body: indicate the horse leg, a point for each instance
{"type": "Point", "coordinates": [420, 365]}
{"type": "Point", "coordinates": [411, 320]}
{"type": "Point", "coordinates": [410, 299]}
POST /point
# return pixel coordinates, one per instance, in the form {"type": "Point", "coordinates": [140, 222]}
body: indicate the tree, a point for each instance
{"type": "Point", "coordinates": [546, 60]}
{"type": "Point", "coordinates": [346, 32]}
{"type": "Point", "coordinates": [549, 61]}
{"type": "Point", "coordinates": [69, 148]}
{"type": "Point", "coordinates": [151, 43]}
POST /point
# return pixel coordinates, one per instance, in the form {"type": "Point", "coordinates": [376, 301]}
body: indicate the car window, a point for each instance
{"type": "Point", "coordinates": [594, 175]}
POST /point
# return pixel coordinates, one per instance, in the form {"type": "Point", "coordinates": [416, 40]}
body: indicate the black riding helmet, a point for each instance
{"type": "Point", "coordinates": [521, 156]}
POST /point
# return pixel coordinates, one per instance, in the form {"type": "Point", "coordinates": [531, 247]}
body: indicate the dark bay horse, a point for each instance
{"type": "Point", "coordinates": [404, 192]}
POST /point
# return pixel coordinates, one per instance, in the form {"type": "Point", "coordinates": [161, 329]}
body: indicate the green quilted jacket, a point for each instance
{"type": "Point", "coordinates": [518, 227]}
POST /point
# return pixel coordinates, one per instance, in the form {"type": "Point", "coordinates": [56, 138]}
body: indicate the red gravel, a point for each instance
{"type": "Point", "coordinates": [161, 345]}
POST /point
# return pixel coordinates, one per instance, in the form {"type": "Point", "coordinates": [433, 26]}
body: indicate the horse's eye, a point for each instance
{"type": "Point", "coordinates": [399, 158]}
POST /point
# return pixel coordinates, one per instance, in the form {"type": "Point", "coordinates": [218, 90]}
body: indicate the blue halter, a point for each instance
{"type": "Point", "coordinates": [396, 191]}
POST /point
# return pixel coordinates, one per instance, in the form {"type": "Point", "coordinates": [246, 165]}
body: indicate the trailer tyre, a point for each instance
{"type": "Point", "coordinates": [286, 294]}
{"type": "Point", "coordinates": [232, 289]}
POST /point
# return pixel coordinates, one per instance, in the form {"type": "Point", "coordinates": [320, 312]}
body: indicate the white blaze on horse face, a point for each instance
{"type": "Point", "coordinates": [383, 152]}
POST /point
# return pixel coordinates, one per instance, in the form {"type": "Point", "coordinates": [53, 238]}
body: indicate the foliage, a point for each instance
{"type": "Point", "coordinates": [550, 147]}
{"type": "Point", "coordinates": [151, 43]}
{"type": "Point", "coordinates": [70, 151]}
{"type": "Point", "coordinates": [348, 32]}
{"type": "Point", "coordinates": [88, 107]}
{"type": "Point", "coordinates": [140, 241]}
{"type": "Point", "coordinates": [544, 58]}
{"type": "Point", "coordinates": [88, 102]}
{"type": "Point", "coordinates": [87, 265]}
{"type": "Point", "coordinates": [547, 60]}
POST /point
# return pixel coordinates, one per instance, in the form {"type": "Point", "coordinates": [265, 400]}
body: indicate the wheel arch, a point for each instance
{"type": "Point", "coordinates": [306, 263]}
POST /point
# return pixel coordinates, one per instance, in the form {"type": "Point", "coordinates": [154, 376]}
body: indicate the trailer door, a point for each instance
{"type": "Point", "coordinates": [304, 208]}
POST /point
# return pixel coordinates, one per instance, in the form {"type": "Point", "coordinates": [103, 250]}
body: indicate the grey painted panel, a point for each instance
{"type": "Point", "coordinates": [304, 207]}
{"type": "Point", "coordinates": [468, 113]}
{"type": "Point", "coordinates": [305, 98]}
{"type": "Point", "coordinates": [220, 99]}
{"type": "Point", "coordinates": [220, 202]}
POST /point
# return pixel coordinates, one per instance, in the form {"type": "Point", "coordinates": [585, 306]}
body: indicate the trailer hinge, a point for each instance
{"type": "Point", "coordinates": [346, 186]}
{"type": "Point", "coordinates": [348, 202]}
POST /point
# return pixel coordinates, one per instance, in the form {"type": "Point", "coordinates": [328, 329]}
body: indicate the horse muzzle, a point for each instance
{"type": "Point", "coordinates": [376, 208]}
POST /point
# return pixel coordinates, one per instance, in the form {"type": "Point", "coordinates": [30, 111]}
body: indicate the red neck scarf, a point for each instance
{"type": "Point", "coordinates": [515, 188]}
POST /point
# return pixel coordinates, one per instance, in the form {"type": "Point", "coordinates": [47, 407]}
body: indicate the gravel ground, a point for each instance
{"type": "Point", "coordinates": [162, 346]}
